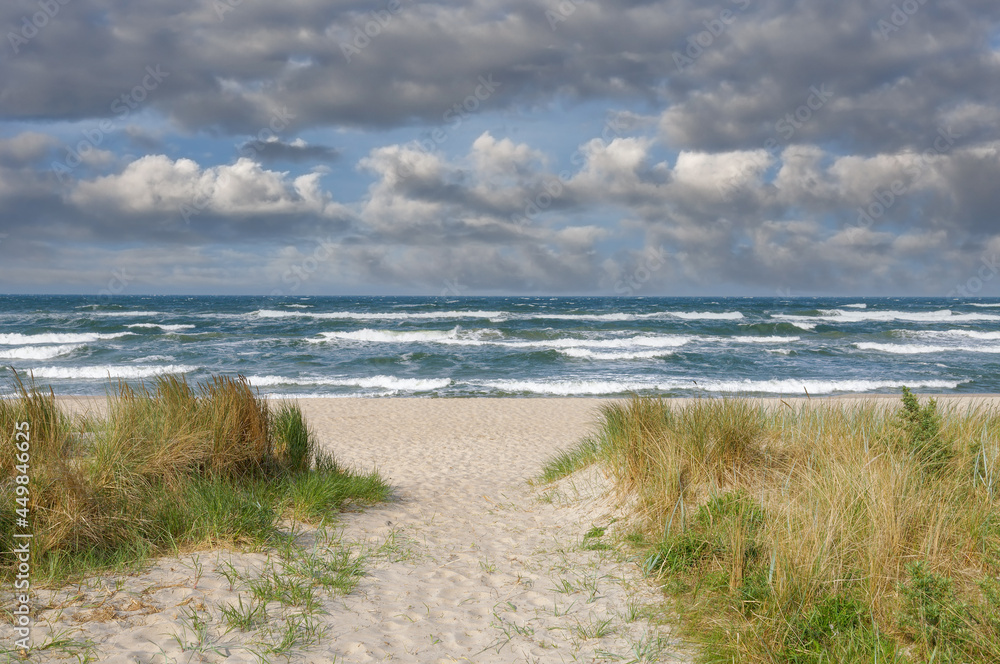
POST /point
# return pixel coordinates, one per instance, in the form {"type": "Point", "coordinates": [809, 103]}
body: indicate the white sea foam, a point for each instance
{"type": "Point", "coordinates": [945, 334]}
{"type": "Point", "coordinates": [165, 328]}
{"type": "Point", "coordinates": [983, 304]}
{"type": "Point", "coordinates": [495, 315]}
{"type": "Point", "coordinates": [492, 337]}
{"type": "Point", "coordinates": [786, 386]}
{"type": "Point", "coordinates": [583, 353]}
{"type": "Point", "coordinates": [919, 349]}
{"type": "Point", "coordinates": [38, 352]}
{"type": "Point", "coordinates": [393, 336]}
{"type": "Point", "coordinates": [372, 382]}
{"type": "Point", "coordinates": [111, 370]}
{"type": "Point", "coordinates": [155, 358]}
{"type": "Point", "coordinates": [760, 340]}
{"type": "Point", "coordinates": [856, 306]}
{"type": "Point", "coordinates": [393, 315]}
{"type": "Point", "coordinates": [15, 338]}
{"type": "Point", "coordinates": [841, 316]}
{"type": "Point", "coordinates": [707, 315]}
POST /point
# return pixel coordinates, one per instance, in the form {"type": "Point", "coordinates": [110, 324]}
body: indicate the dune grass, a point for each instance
{"type": "Point", "coordinates": [825, 533]}
{"type": "Point", "coordinates": [169, 467]}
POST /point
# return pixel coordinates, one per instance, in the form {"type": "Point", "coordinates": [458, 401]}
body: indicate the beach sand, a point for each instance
{"type": "Point", "coordinates": [468, 562]}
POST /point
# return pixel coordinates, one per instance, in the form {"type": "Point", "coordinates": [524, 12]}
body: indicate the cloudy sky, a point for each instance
{"type": "Point", "coordinates": [500, 146]}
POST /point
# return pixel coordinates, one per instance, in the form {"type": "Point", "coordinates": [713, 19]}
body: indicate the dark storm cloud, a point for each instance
{"type": "Point", "coordinates": [755, 62]}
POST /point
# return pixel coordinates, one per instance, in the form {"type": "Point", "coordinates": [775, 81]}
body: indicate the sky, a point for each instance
{"type": "Point", "coordinates": [737, 147]}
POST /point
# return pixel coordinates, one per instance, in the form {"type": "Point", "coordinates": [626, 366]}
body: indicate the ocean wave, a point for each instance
{"type": "Point", "coordinates": [395, 336]}
{"type": "Point", "coordinates": [783, 386]}
{"type": "Point", "coordinates": [919, 349]}
{"type": "Point", "coordinates": [707, 315]}
{"type": "Point", "coordinates": [983, 304]}
{"type": "Point", "coordinates": [15, 338]}
{"type": "Point", "coordinates": [841, 316]}
{"type": "Point", "coordinates": [937, 334]}
{"type": "Point", "coordinates": [38, 352]}
{"type": "Point", "coordinates": [585, 354]}
{"type": "Point", "coordinates": [355, 315]}
{"type": "Point", "coordinates": [496, 315]}
{"type": "Point", "coordinates": [105, 371]}
{"type": "Point", "coordinates": [492, 337]}
{"type": "Point", "coordinates": [761, 340]}
{"type": "Point", "coordinates": [371, 382]}
{"type": "Point", "coordinates": [165, 328]}
{"type": "Point", "coordinates": [856, 306]}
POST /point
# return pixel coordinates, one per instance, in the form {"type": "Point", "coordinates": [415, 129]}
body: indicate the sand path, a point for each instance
{"type": "Point", "coordinates": [498, 575]}
{"type": "Point", "coordinates": [482, 566]}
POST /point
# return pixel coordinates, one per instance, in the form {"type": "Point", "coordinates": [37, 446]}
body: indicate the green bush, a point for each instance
{"type": "Point", "coordinates": [922, 430]}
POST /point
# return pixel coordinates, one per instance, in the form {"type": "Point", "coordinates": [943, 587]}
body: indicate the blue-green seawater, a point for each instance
{"type": "Point", "coordinates": [507, 346]}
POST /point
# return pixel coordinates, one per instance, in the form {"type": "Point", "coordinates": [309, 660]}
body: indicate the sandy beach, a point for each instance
{"type": "Point", "coordinates": [468, 562]}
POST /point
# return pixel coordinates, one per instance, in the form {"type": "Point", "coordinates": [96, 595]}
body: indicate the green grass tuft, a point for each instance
{"type": "Point", "coordinates": [168, 467]}
{"type": "Point", "coordinates": [825, 533]}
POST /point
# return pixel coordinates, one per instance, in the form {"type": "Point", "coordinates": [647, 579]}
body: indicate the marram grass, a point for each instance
{"type": "Point", "coordinates": [825, 533]}
{"type": "Point", "coordinates": [168, 467]}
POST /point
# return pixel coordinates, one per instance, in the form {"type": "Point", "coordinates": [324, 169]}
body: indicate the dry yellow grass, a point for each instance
{"type": "Point", "coordinates": [821, 533]}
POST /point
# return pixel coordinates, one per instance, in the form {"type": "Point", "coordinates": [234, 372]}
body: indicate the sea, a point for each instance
{"type": "Point", "coordinates": [506, 346]}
